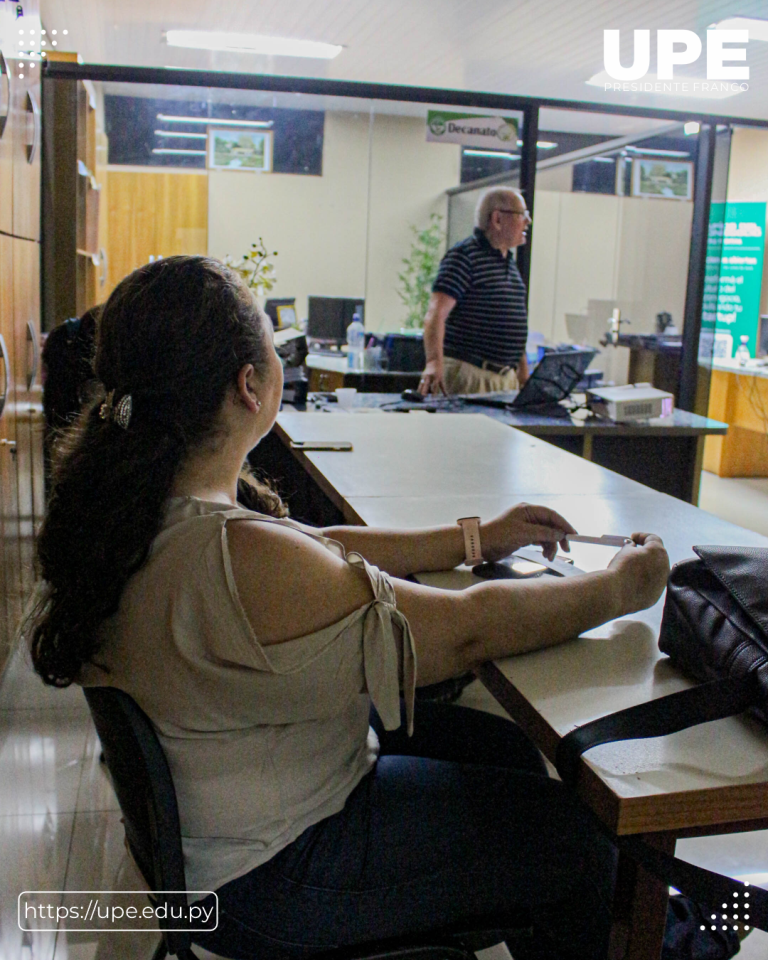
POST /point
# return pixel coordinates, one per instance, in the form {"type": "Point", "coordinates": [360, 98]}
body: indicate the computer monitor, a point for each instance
{"type": "Point", "coordinates": [270, 308]}
{"type": "Point", "coordinates": [329, 318]}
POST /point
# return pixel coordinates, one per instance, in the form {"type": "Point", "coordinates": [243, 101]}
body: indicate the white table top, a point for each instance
{"type": "Point", "coordinates": [429, 456]}
{"type": "Point", "coordinates": [409, 472]}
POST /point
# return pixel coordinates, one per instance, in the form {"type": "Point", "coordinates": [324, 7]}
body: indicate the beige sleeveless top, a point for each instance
{"type": "Point", "coordinates": [262, 742]}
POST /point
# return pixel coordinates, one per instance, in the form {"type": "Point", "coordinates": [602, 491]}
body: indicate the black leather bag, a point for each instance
{"type": "Point", "coordinates": [715, 628]}
{"type": "Point", "coordinates": [715, 622]}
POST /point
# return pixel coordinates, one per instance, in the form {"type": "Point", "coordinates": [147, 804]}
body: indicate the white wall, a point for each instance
{"type": "Point", "coordinates": [317, 224]}
{"type": "Point", "coordinates": [627, 251]}
{"type": "Point", "coordinates": [409, 178]}
{"type": "Point", "coordinates": [345, 233]}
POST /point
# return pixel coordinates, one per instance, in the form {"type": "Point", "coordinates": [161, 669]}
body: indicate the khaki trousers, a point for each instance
{"type": "Point", "coordinates": [462, 377]}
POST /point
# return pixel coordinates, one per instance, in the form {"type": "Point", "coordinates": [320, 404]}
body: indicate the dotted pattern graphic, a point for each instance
{"type": "Point", "coordinates": [739, 914]}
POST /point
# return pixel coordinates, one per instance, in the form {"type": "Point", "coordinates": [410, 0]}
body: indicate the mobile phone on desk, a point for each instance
{"type": "Point", "coordinates": [514, 568]}
{"type": "Point", "coordinates": [306, 445]}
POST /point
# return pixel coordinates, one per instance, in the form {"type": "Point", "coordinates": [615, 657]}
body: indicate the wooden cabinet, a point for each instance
{"type": "Point", "coordinates": [29, 401]}
{"type": "Point", "coordinates": [73, 269]}
{"type": "Point", "coordinates": [6, 152]}
{"type": "Point", "coordinates": [26, 144]}
{"type": "Point", "coordinates": [21, 422]}
{"type": "Point", "coordinates": [10, 555]}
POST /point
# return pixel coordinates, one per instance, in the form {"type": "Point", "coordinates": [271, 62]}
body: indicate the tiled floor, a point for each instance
{"type": "Point", "coordinates": [60, 825]}
{"type": "Point", "coordinates": [742, 500]}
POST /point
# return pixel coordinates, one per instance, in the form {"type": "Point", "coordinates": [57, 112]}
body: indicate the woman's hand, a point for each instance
{"type": "Point", "coordinates": [524, 524]}
{"type": "Point", "coordinates": [642, 568]}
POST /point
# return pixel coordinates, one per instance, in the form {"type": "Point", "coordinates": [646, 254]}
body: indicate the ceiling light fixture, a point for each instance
{"type": "Point", "coordinates": [693, 126]}
{"type": "Point", "coordinates": [178, 135]}
{"type": "Point", "coordinates": [603, 159]}
{"type": "Point", "coordinates": [251, 43]}
{"type": "Point", "coordinates": [651, 152]}
{"type": "Point", "coordinates": [186, 153]}
{"type": "Point", "coordinates": [492, 153]}
{"type": "Point", "coordinates": [541, 144]}
{"type": "Point", "coordinates": [758, 29]}
{"type": "Point", "coordinates": [696, 90]}
{"type": "Point", "coordinates": [214, 121]}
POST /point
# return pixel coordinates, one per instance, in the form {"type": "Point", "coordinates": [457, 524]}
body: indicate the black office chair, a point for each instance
{"type": "Point", "coordinates": [142, 781]}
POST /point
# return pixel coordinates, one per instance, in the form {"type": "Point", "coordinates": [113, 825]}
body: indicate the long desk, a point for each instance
{"type": "Point", "coordinates": [665, 453]}
{"type": "Point", "coordinates": [407, 472]}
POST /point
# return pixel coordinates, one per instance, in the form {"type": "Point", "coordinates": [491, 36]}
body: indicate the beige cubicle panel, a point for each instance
{"type": "Point", "coordinates": [589, 246]}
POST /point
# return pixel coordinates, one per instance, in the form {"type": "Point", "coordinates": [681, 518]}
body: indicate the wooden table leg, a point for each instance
{"type": "Point", "coordinates": [640, 908]}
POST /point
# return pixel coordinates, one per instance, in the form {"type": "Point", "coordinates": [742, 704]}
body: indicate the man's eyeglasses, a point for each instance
{"type": "Point", "coordinates": [516, 213]}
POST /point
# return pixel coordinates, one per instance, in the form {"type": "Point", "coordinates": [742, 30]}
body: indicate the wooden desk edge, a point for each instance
{"type": "Point", "coordinates": [692, 813]}
{"type": "Point", "coordinates": [350, 514]}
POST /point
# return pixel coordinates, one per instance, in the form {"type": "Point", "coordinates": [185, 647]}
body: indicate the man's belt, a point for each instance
{"type": "Point", "coordinates": [499, 368]}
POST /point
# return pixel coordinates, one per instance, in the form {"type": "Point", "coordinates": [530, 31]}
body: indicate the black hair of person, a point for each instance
{"type": "Point", "coordinates": [173, 335]}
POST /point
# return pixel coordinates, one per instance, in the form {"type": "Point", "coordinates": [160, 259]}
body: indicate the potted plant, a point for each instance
{"type": "Point", "coordinates": [420, 270]}
{"type": "Point", "coordinates": [255, 268]}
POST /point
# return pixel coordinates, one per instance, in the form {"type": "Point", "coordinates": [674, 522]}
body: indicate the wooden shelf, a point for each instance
{"type": "Point", "coordinates": [72, 204]}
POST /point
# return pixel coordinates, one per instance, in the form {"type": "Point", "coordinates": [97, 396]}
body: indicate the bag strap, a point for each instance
{"type": "Point", "coordinates": [678, 711]}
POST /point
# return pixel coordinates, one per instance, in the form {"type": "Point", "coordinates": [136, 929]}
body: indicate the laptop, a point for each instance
{"type": "Point", "coordinates": [552, 380]}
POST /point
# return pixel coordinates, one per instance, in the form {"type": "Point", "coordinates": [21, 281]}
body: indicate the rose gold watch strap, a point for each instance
{"type": "Point", "coordinates": [470, 527]}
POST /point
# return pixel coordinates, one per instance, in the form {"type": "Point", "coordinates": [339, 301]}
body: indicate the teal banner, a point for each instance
{"type": "Point", "coordinates": [735, 252]}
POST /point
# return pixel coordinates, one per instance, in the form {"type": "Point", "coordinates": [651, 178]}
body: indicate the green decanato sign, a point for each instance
{"type": "Point", "coordinates": [735, 252]}
{"type": "Point", "coordinates": [470, 130]}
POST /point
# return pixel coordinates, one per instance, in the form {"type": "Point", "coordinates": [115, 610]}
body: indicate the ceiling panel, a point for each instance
{"type": "Point", "coordinates": [546, 48]}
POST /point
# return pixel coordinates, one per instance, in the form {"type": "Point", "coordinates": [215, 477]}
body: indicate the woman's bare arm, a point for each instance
{"type": "Point", "coordinates": [401, 552]}
{"type": "Point", "coordinates": [290, 585]}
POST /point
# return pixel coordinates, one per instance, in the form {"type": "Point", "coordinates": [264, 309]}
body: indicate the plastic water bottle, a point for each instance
{"type": "Point", "coordinates": [742, 351]}
{"type": "Point", "coordinates": [356, 344]}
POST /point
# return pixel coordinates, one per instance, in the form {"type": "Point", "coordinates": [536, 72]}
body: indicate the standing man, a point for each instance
{"type": "Point", "coordinates": [476, 325]}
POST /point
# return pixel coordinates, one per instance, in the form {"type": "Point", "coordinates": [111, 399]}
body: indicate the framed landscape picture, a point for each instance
{"type": "Point", "coordinates": [665, 179]}
{"type": "Point", "coordinates": [238, 149]}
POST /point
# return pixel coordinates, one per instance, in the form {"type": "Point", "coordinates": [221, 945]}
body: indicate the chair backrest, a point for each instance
{"type": "Point", "coordinates": [144, 787]}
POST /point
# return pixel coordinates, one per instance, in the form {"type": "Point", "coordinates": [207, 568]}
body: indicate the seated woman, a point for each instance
{"type": "Point", "coordinates": [257, 648]}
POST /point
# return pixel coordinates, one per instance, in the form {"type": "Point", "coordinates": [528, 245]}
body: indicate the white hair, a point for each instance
{"type": "Point", "coordinates": [493, 199]}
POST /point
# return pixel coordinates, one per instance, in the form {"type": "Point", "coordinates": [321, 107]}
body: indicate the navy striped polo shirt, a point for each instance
{"type": "Point", "coordinates": [489, 321]}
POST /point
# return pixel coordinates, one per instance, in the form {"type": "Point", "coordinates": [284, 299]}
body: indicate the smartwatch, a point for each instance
{"type": "Point", "coordinates": [470, 527]}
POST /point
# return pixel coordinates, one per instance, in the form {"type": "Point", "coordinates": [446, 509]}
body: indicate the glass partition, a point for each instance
{"type": "Point", "coordinates": [347, 194]}
{"type": "Point", "coordinates": [611, 232]}
{"type": "Point", "coordinates": [211, 171]}
{"type": "Point", "coordinates": [357, 199]}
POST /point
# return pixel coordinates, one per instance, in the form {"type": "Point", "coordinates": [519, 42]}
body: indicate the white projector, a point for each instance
{"type": "Point", "coordinates": [639, 401]}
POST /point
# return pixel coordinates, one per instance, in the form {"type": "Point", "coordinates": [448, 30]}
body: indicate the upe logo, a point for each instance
{"type": "Point", "coordinates": [437, 126]}
{"type": "Point", "coordinates": [676, 48]}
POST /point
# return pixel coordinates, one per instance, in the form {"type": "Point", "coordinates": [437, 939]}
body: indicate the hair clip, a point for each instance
{"type": "Point", "coordinates": [105, 410]}
{"type": "Point", "coordinates": [119, 413]}
{"type": "Point", "coordinates": [122, 412]}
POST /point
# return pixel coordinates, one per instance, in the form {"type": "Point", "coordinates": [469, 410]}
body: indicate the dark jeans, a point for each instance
{"type": "Point", "coordinates": [458, 822]}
